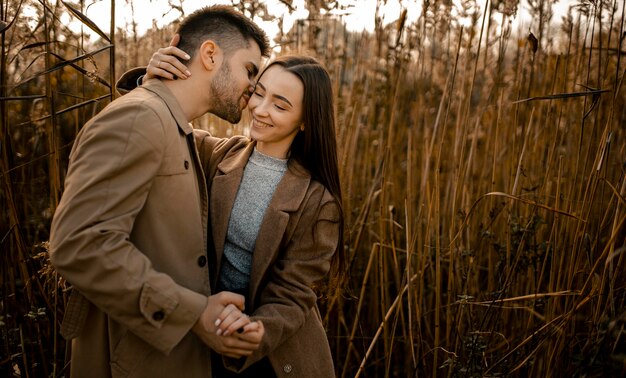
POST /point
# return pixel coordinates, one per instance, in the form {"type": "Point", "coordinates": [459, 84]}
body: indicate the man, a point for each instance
{"type": "Point", "coordinates": [130, 232]}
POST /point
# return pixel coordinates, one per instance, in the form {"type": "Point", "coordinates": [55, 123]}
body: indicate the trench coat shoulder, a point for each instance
{"type": "Point", "coordinates": [124, 165]}
{"type": "Point", "coordinates": [213, 150]}
{"type": "Point", "coordinates": [328, 205]}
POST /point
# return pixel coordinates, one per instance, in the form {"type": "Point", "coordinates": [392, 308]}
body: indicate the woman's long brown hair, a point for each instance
{"type": "Point", "coordinates": [315, 148]}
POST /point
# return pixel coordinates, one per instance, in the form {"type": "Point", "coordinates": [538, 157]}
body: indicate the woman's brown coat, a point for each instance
{"type": "Point", "coordinates": [296, 241]}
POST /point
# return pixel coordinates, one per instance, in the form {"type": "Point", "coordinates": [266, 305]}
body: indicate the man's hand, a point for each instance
{"type": "Point", "coordinates": [230, 320]}
{"type": "Point", "coordinates": [252, 332]}
{"type": "Point", "coordinates": [164, 64]}
{"type": "Point", "coordinates": [232, 346]}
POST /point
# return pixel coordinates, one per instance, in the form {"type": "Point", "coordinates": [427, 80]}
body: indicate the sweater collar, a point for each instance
{"type": "Point", "coordinates": [268, 162]}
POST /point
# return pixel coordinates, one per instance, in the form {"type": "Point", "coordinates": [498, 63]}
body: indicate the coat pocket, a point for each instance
{"type": "Point", "coordinates": [175, 165]}
{"type": "Point", "coordinates": [75, 315]}
{"type": "Point", "coordinates": [306, 354]}
{"type": "Point", "coordinates": [129, 356]}
{"type": "Point", "coordinates": [174, 182]}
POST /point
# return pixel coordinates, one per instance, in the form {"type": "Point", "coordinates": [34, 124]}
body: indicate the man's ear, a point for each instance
{"type": "Point", "coordinates": [209, 55]}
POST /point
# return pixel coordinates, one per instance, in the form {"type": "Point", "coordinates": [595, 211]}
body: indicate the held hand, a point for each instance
{"type": "Point", "coordinates": [250, 337]}
{"type": "Point", "coordinates": [230, 321]}
{"type": "Point", "coordinates": [215, 306]}
{"type": "Point", "coordinates": [235, 346]}
{"type": "Point", "coordinates": [205, 326]}
{"type": "Point", "coordinates": [243, 344]}
{"type": "Point", "coordinates": [164, 63]}
{"type": "Point", "coordinates": [253, 332]}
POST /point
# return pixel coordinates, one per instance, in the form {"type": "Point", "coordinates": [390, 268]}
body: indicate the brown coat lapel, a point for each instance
{"type": "Point", "coordinates": [293, 250]}
{"type": "Point", "coordinates": [222, 197]}
{"type": "Point", "coordinates": [287, 198]}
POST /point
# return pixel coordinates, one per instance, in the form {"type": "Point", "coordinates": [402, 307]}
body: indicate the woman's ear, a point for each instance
{"type": "Point", "coordinates": [208, 54]}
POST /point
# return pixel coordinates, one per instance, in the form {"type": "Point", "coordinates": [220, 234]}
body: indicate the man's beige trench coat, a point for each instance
{"type": "Point", "coordinates": [296, 241]}
{"type": "Point", "coordinates": [130, 235]}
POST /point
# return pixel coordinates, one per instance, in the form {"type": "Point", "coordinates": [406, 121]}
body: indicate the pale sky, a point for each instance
{"type": "Point", "coordinates": [146, 11]}
{"type": "Point", "coordinates": [357, 18]}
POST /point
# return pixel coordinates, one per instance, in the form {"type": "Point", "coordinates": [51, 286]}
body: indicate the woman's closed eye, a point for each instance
{"type": "Point", "coordinates": [277, 106]}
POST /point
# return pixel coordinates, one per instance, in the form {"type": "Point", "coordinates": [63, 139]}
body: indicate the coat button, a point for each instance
{"type": "Point", "coordinates": [287, 368]}
{"type": "Point", "coordinates": [158, 315]}
{"type": "Point", "coordinates": [186, 164]}
{"type": "Point", "coordinates": [201, 261]}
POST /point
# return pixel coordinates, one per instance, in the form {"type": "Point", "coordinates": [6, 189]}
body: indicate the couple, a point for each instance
{"type": "Point", "coordinates": [156, 217]}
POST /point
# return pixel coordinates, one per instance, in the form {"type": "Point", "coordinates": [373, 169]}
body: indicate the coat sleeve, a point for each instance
{"type": "Point", "coordinates": [212, 150]}
{"type": "Point", "coordinates": [288, 296]}
{"type": "Point", "coordinates": [112, 167]}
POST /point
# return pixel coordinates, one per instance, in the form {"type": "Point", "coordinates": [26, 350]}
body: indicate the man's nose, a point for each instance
{"type": "Point", "coordinates": [251, 86]}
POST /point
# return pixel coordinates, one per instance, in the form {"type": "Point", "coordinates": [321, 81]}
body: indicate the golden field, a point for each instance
{"type": "Point", "coordinates": [483, 172]}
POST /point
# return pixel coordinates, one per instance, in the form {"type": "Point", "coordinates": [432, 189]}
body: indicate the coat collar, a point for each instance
{"type": "Point", "coordinates": [292, 186]}
{"type": "Point", "coordinates": [288, 197]}
{"type": "Point", "coordinates": [157, 87]}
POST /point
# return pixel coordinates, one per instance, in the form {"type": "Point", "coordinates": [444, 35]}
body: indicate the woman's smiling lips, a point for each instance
{"type": "Point", "coordinates": [258, 124]}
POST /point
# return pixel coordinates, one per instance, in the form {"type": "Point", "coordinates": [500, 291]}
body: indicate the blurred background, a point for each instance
{"type": "Point", "coordinates": [482, 159]}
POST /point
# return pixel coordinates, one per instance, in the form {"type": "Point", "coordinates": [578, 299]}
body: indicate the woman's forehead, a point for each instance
{"type": "Point", "coordinates": [280, 81]}
{"type": "Point", "coordinates": [278, 76]}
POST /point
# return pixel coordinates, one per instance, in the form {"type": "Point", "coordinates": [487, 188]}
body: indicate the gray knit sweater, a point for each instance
{"type": "Point", "coordinates": [260, 179]}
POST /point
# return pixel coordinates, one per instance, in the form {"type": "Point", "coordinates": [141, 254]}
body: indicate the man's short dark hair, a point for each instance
{"type": "Point", "coordinates": [230, 29]}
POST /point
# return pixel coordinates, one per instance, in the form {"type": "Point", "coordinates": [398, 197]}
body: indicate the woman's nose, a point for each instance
{"type": "Point", "coordinates": [260, 108]}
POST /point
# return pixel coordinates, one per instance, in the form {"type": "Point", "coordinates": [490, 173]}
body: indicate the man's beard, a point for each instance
{"type": "Point", "coordinates": [225, 98]}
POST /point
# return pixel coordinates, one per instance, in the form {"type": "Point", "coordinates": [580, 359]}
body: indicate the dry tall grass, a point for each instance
{"type": "Point", "coordinates": [483, 175]}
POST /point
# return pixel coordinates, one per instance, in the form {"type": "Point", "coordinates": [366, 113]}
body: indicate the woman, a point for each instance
{"type": "Point", "coordinates": [275, 211]}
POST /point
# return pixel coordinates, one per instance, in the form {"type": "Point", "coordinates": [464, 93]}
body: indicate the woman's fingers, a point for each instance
{"type": "Point", "coordinates": [254, 326]}
{"type": "Point", "coordinates": [239, 350]}
{"type": "Point", "coordinates": [175, 40]}
{"type": "Point", "coordinates": [236, 346]}
{"type": "Point", "coordinates": [243, 344]}
{"type": "Point", "coordinates": [165, 63]}
{"type": "Point", "coordinates": [229, 320]}
{"type": "Point", "coordinates": [236, 326]}
{"type": "Point", "coordinates": [253, 332]}
{"type": "Point", "coordinates": [171, 53]}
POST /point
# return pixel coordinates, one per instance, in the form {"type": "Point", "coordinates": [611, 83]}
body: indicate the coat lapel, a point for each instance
{"type": "Point", "coordinates": [224, 189]}
{"type": "Point", "coordinates": [287, 198]}
{"type": "Point", "coordinates": [157, 87]}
